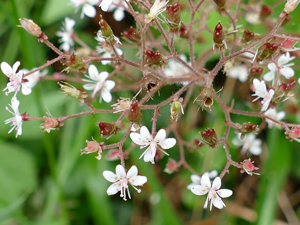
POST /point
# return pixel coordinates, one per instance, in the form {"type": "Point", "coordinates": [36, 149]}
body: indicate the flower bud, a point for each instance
{"type": "Point", "coordinates": [112, 155]}
{"type": "Point", "coordinates": [132, 35]}
{"type": "Point", "coordinates": [255, 72]}
{"type": "Point", "coordinates": [176, 107]}
{"type": "Point", "coordinates": [209, 137]}
{"type": "Point", "coordinates": [72, 91]}
{"type": "Point", "coordinates": [247, 128]}
{"type": "Point", "coordinates": [32, 28]}
{"type": "Point", "coordinates": [106, 32]}
{"type": "Point", "coordinates": [108, 128]}
{"type": "Point", "coordinates": [248, 36]}
{"type": "Point", "coordinates": [219, 37]}
{"type": "Point", "coordinates": [265, 12]}
{"type": "Point", "coordinates": [173, 16]}
{"type": "Point", "coordinates": [281, 93]}
{"type": "Point", "coordinates": [154, 58]}
{"type": "Point", "coordinates": [266, 50]}
{"type": "Point", "coordinates": [290, 5]}
{"type": "Point", "coordinates": [134, 114]}
{"type": "Point", "coordinates": [182, 31]}
{"type": "Point", "coordinates": [51, 124]}
{"type": "Point", "coordinates": [171, 166]}
{"type": "Point", "coordinates": [248, 167]}
{"type": "Point", "coordinates": [91, 147]}
{"type": "Point", "coordinates": [206, 98]}
{"type": "Point", "coordinates": [293, 134]}
{"type": "Point", "coordinates": [75, 62]}
{"type": "Point", "coordinates": [220, 3]}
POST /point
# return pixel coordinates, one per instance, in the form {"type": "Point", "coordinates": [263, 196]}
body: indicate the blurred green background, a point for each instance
{"type": "Point", "coordinates": [44, 180]}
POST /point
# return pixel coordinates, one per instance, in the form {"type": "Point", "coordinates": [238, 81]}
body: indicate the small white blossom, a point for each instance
{"type": "Point", "coordinates": [145, 139]}
{"type": "Point", "coordinates": [215, 194]}
{"type": "Point", "coordinates": [16, 81]}
{"type": "Point", "coordinates": [249, 143]}
{"type": "Point", "coordinates": [284, 66]}
{"type": "Point", "coordinates": [34, 78]}
{"type": "Point", "coordinates": [16, 120]}
{"type": "Point", "coordinates": [97, 82]}
{"type": "Point", "coordinates": [158, 7]}
{"type": "Point", "coordinates": [110, 5]}
{"type": "Point", "coordinates": [196, 179]}
{"type": "Point", "coordinates": [261, 92]}
{"type": "Point", "coordinates": [275, 115]}
{"type": "Point", "coordinates": [66, 34]}
{"type": "Point", "coordinates": [88, 8]}
{"type": "Point", "coordinates": [240, 72]}
{"type": "Point", "coordinates": [120, 180]}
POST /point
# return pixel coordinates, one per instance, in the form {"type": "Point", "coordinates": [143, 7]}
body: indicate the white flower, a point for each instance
{"type": "Point", "coordinates": [110, 5]}
{"type": "Point", "coordinates": [87, 7]}
{"type": "Point", "coordinates": [121, 179]}
{"type": "Point", "coordinates": [196, 179]}
{"type": "Point", "coordinates": [98, 83]}
{"type": "Point", "coordinates": [176, 69]}
{"type": "Point", "coordinates": [15, 79]}
{"type": "Point", "coordinates": [240, 72]}
{"type": "Point", "coordinates": [273, 114]}
{"type": "Point", "coordinates": [66, 34]}
{"type": "Point", "coordinates": [214, 192]}
{"type": "Point", "coordinates": [158, 7]}
{"type": "Point", "coordinates": [249, 143]}
{"type": "Point", "coordinates": [261, 92]}
{"type": "Point", "coordinates": [145, 139]}
{"type": "Point", "coordinates": [285, 68]}
{"type": "Point", "coordinates": [34, 78]}
{"type": "Point", "coordinates": [16, 120]}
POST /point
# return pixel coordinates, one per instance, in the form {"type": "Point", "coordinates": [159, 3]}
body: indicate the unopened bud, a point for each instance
{"type": "Point", "coordinates": [265, 12]}
{"type": "Point", "coordinates": [182, 31]}
{"type": "Point", "coordinates": [76, 62]}
{"type": "Point", "coordinates": [171, 166]}
{"type": "Point", "coordinates": [209, 137]}
{"type": "Point", "coordinates": [290, 5]}
{"type": "Point", "coordinates": [219, 37]}
{"type": "Point", "coordinates": [248, 36]}
{"type": "Point", "coordinates": [132, 35]}
{"type": "Point", "coordinates": [266, 51]}
{"type": "Point", "coordinates": [108, 128]}
{"type": "Point", "coordinates": [220, 3]}
{"type": "Point", "coordinates": [293, 134]}
{"type": "Point", "coordinates": [72, 91]}
{"type": "Point", "coordinates": [247, 128]}
{"type": "Point", "coordinates": [134, 114]}
{"type": "Point", "coordinates": [248, 167]}
{"type": "Point", "coordinates": [51, 124]}
{"type": "Point", "coordinates": [176, 107]}
{"type": "Point", "coordinates": [32, 28]}
{"type": "Point", "coordinates": [112, 155]}
{"type": "Point", "coordinates": [106, 32]}
{"type": "Point", "coordinates": [281, 93]}
{"type": "Point", "coordinates": [91, 147]}
{"type": "Point", "coordinates": [173, 16]}
{"type": "Point", "coordinates": [154, 58]}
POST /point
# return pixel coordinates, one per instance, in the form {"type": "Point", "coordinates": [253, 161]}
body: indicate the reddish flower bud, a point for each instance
{"type": "Point", "coordinates": [246, 128]}
{"type": "Point", "coordinates": [220, 3]}
{"type": "Point", "coordinates": [108, 128]}
{"type": "Point", "coordinates": [293, 134]}
{"type": "Point", "coordinates": [91, 147]}
{"type": "Point", "coordinates": [248, 36]}
{"type": "Point", "coordinates": [171, 166]}
{"type": "Point", "coordinates": [219, 37]}
{"type": "Point", "coordinates": [266, 50]}
{"type": "Point", "coordinates": [113, 154]}
{"type": "Point", "coordinates": [134, 114]}
{"type": "Point", "coordinates": [75, 62]}
{"type": "Point", "coordinates": [154, 58]}
{"type": "Point", "coordinates": [288, 43]}
{"type": "Point", "coordinates": [281, 93]}
{"type": "Point", "coordinates": [173, 16]}
{"type": "Point", "coordinates": [265, 12]}
{"type": "Point", "coordinates": [32, 28]}
{"type": "Point", "coordinates": [51, 124]}
{"type": "Point", "coordinates": [183, 31]}
{"type": "Point", "coordinates": [209, 137]}
{"type": "Point", "coordinates": [132, 35]}
{"type": "Point", "coordinates": [248, 167]}
{"type": "Point", "coordinates": [255, 72]}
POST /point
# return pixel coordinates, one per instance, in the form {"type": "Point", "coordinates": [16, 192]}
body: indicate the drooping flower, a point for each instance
{"type": "Point", "coordinates": [215, 194]}
{"type": "Point", "coordinates": [120, 180]}
{"type": "Point", "coordinates": [16, 120]}
{"type": "Point", "coordinates": [16, 80]}
{"type": "Point", "coordinates": [284, 66]}
{"type": "Point", "coordinates": [275, 115]}
{"type": "Point", "coordinates": [158, 7]}
{"type": "Point", "coordinates": [97, 82]}
{"type": "Point", "coordinates": [145, 139]}
{"type": "Point", "coordinates": [261, 92]}
{"type": "Point", "coordinates": [66, 34]}
{"type": "Point", "coordinates": [88, 8]}
{"type": "Point", "coordinates": [249, 143]}
{"type": "Point", "coordinates": [196, 179]}
{"type": "Point", "coordinates": [240, 72]}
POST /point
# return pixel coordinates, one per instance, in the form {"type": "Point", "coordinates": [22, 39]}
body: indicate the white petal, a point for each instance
{"type": "Point", "coordinates": [104, 5]}
{"type": "Point", "coordinates": [138, 180]}
{"type": "Point", "coordinates": [255, 150]}
{"type": "Point", "coordinates": [110, 176]}
{"type": "Point", "coordinates": [272, 67]}
{"type": "Point", "coordinates": [132, 172]}
{"type": "Point", "coordinates": [205, 181]}
{"type": "Point", "coordinates": [217, 202]}
{"type": "Point", "coordinates": [217, 183]}
{"type": "Point", "coordinates": [288, 72]}
{"type": "Point", "coordinates": [6, 69]}
{"type": "Point", "coordinates": [137, 139]}
{"type": "Point", "coordinates": [199, 190]}
{"type": "Point", "coordinates": [149, 155]}
{"type": "Point", "coordinates": [119, 14]}
{"type": "Point", "coordinates": [25, 89]}
{"type": "Point", "coordinates": [269, 76]}
{"type": "Point", "coordinates": [120, 171]}
{"type": "Point", "coordinates": [160, 136]}
{"type": "Point", "coordinates": [206, 202]}
{"type": "Point", "coordinates": [195, 179]}
{"type": "Point", "coordinates": [93, 72]}
{"type": "Point", "coordinates": [89, 10]}
{"type": "Point", "coordinates": [114, 188]}
{"type": "Point", "coordinates": [167, 143]}
{"type": "Point", "coordinates": [145, 134]}
{"type": "Point", "coordinates": [106, 95]}
{"type": "Point", "coordinates": [103, 76]}
{"type": "Point", "coordinates": [224, 193]}
{"type": "Point", "coordinates": [109, 84]}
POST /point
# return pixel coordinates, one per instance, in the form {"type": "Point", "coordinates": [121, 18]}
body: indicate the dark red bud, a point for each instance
{"type": "Point", "coordinates": [209, 137]}
{"type": "Point", "coordinates": [220, 3]}
{"type": "Point", "coordinates": [265, 12]}
{"type": "Point", "coordinates": [218, 34]}
{"type": "Point", "coordinates": [248, 35]}
{"type": "Point", "coordinates": [266, 50]}
{"type": "Point", "coordinates": [107, 128]}
{"type": "Point", "coordinates": [132, 35]}
{"type": "Point", "coordinates": [173, 16]}
{"type": "Point", "coordinates": [134, 114]}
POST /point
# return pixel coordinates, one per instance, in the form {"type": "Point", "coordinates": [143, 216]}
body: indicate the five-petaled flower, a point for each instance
{"type": "Point", "coordinates": [261, 92]}
{"type": "Point", "coordinates": [16, 120]}
{"type": "Point", "coordinates": [88, 8]}
{"type": "Point", "coordinates": [66, 34]}
{"type": "Point", "coordinates": [249, 143]}
{"type": "Point", "coordinates": [215, 194]}
{"type": "Point", "coordinates": [98, 83]}
{"type": "Point", "coordinates": [275, 115]}
{"type": "Point", "coordinates": [145, 139]}
{"type": "Point", "coordinates": [16, 80]}
{"type": "Point", "coordinates": [120, 180]}
{"type": "Point", "coordinates": [284, 67]}
{"type": "Point", "coordinates": [196, 179]}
